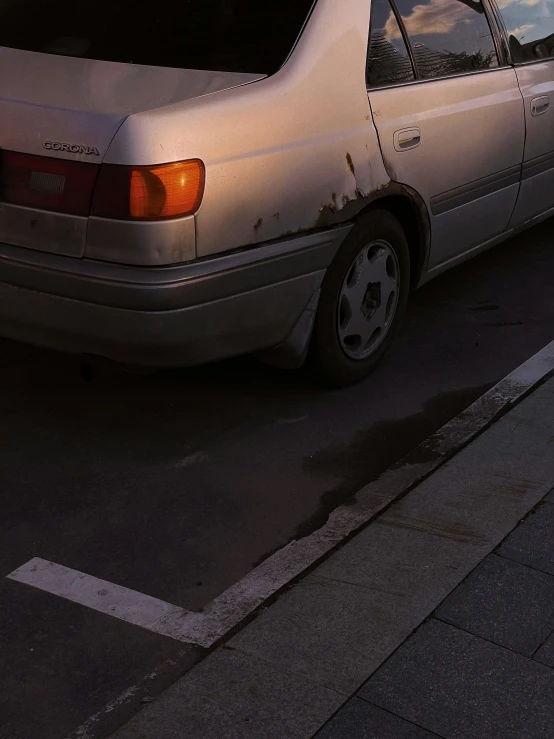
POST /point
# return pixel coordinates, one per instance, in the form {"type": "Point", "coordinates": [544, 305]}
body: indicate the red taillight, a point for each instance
{"type": "Point", "coordinates": [111, 191]}
{"type": "Point", "coordinates": [50, 184]}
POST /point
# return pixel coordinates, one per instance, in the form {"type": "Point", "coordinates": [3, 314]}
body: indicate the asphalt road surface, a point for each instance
{"type": "Point", "coordinates": [177, 484]}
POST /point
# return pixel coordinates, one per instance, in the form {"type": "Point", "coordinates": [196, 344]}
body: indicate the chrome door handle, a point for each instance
{"type": "Point", "coordinates": [540, 105]}
{"type": "Point", "coordinates": [407, 138]}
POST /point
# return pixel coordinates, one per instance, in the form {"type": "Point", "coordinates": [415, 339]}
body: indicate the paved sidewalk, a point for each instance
{"type": "Point", "coordinates": [436, 620]}
{"type": "Point", "coordinates": [482, 666]}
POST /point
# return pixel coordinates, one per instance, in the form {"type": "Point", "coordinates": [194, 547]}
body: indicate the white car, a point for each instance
{"type": "Point", "coordinates": [237, 176]}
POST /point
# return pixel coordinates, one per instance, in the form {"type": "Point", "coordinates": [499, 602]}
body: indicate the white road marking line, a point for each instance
{"type": "Point", "coordinates": [230, 608]}
{"type": "Point", "coordinates": [100, 595]}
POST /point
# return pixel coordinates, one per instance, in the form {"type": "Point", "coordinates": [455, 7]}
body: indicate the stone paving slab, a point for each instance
{"type": "Point", "coordinates": [505, 602]}
{"type": "Point", "coordinates": [341, 622]}
{"type": "Point", "coordinates": [532, 543]}
{"type": "Point", "coordinates": [463, 687]}
{"type": "Point", "coordinates": [360, 720]}
{"type": "Point", "coordinates": [546, 653]}
{"type": "Point", "coordinates": [234, 696]}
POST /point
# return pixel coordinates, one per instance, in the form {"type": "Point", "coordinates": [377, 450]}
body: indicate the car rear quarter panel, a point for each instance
{"type": "Point", "coordinates": [279, 153]}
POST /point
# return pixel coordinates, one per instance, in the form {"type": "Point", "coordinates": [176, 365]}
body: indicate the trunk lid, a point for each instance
{"type": "Point", "coordinates": [80, 103]}
{"type": "Point", "coordinates": [64, 111]}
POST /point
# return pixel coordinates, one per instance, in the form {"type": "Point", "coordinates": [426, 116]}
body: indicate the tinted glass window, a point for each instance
{"type": "Point", "coordinates": [228, 35]}
{"type": "Point", "coordinates": [530, 26]}
{"type": "Point", "coordinates": [388, 62]}
{"type": "Point", "coordinates": [448, 36]}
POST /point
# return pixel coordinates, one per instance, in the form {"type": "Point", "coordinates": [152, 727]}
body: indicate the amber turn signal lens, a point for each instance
{"type": "Point", "coordinates": [168, 191]}
{"type": "Point", "coordinates": [149, 193]}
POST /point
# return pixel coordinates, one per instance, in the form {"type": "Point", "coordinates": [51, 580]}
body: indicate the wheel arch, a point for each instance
{"type": "Point", "coordinates": [407, 206]}
{"type": "Point", "coordinates": [409, 209]}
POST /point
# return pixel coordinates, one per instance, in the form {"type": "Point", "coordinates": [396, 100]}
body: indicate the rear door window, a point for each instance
{"type": "Point", "coordinates": [226, 35]}
{"type": "Point", "coordinates": [388, 61]}
{"type": "Point", "coordinates": [530, 27]}
{"type": "Point", "coordinates": [448, 36]}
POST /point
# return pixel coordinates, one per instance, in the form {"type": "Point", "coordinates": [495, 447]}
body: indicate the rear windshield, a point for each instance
{"type": "Point", "coordinates": [224, 35]}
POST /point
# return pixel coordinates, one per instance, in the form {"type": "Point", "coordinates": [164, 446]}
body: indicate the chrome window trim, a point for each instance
{"type": "Point", "coordinates": [534, 61]}
{"type": "Point", "coordinates": [439, 79]}
{"type": "Point", "coordinates": [498, 32]}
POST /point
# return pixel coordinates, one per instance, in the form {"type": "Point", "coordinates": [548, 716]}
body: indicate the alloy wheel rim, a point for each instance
{"type": "Point", "coordinates": [368, 300]}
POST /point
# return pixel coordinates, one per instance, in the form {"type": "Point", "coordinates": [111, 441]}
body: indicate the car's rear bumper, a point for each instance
{"type": "Point", "coordinates": [194, 313]}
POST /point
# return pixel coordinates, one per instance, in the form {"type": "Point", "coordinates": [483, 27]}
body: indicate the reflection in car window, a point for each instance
{"type": "Point", "coordinates": [388, 62]}
{"type": "Point", "coordinates": [530, 26]}
{"type": "Point", "coordinates": [448, 36]}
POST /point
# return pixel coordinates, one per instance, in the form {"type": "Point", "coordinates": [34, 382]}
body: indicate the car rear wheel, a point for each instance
{"type": "Point", "coordinates": [363, 299]}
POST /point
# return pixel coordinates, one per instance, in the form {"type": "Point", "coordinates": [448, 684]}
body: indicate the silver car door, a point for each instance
{"type": "Point", "coordinates": [455, 131]}
{"type": "Point", "coordinates": [530, 31]}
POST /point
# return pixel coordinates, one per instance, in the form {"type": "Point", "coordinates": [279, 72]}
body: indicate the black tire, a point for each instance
{"type": "Point", "coordinates": [332, 362]}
